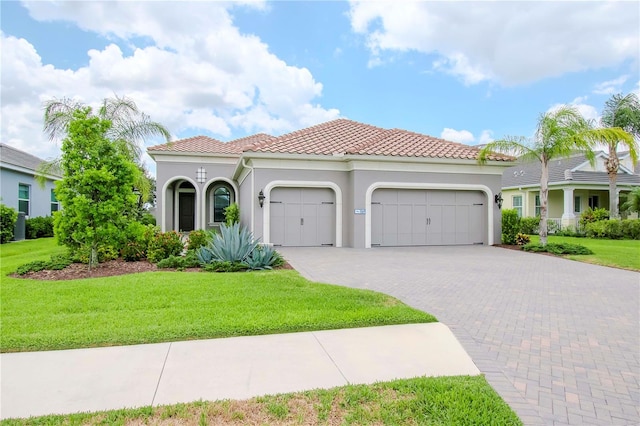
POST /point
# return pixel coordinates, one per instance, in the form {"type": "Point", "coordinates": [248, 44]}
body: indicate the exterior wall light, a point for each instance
{"type": "Point", "coordinates": [261, 198]}
{"type": "Point", "coordinates": [201, 175]}
{"type": "Point", "coordinates": [498, 199]}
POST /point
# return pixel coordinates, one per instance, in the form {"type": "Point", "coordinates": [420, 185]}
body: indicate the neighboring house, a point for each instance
{"type": "Point", "coordinates": [340, 183]}
{"type": "Point", "coordinates": [574, 186]}
{"type": "Point", "coordinates": [18, 186]}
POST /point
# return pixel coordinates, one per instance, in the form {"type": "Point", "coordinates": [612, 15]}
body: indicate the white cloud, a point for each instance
{"type": "Point", "coordinates": [505, 42]}
{"type": "Point", "coordinates": [466, 137]}
{"type": "Point", "coordinates": [198, 73]}
{"type": "Point", "coordinates": [588, 111]}
{"type": "Point", "coordinates": [462, 136]}
{"type": "Point", "coordinates": [485, 137]}
{"type": "Point", "coordinates": [611, 86]}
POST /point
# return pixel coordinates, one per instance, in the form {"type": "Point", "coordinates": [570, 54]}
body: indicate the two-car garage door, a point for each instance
{"type": "Point", "coordinates": [303, 217]}
{"type": "Point", "coordinates": [412, 217]}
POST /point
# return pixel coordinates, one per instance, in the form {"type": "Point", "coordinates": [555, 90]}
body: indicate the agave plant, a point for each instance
{"type": "Point", "coordinates": [236, 244]}
{"type": "Point", "coordinates": [263, 257]}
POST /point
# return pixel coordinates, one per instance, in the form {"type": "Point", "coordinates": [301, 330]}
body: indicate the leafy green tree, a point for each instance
{"type": "Point", "coordinates": [620, 112]}
{"type": "Point", "coordinates": [558, 134]}
{"type": "Point", "coordinates": [96, 189]}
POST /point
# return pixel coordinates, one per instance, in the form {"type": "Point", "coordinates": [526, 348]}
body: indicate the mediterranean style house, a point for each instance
{"type": "Point", "coordinates": [18, 186]}
{"type": "Point", "coordinates": [574, 186]}
{"type": "Point", "coordinates": [340, 183]}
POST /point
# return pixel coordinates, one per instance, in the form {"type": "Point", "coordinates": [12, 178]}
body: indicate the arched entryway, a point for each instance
{"type": "Point", "coordinates": [180, 205]}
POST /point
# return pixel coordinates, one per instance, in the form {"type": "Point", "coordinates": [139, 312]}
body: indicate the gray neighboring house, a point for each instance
{"type": "Point", "coordinates": [18, 186]}
{"type": "Point", "coordinates": [574, 186]}
{"type": "Point", "coordinates": [340, 183]}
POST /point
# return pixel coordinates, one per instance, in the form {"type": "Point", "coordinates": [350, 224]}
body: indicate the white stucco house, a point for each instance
{"type": "Point", "coordinates": [340, 183]}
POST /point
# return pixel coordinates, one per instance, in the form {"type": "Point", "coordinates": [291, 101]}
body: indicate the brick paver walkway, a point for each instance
{"type": "Point", "coordinates": [558, 339]}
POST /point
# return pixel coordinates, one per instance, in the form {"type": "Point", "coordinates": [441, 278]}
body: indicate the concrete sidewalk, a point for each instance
{"type": "Point", "coordinates": [62, 382]}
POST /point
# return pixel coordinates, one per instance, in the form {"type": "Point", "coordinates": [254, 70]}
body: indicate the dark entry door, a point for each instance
{"type": "Point", "coordinates": [186, 215]}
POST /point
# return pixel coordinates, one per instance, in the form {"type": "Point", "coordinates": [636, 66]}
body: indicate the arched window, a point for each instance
{"type": "Point", "coordinates": [221, 200]}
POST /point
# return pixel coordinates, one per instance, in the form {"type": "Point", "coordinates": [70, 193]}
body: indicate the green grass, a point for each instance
{"type": "Point", "coordinates": [617, 253]}
{"type": "Point", "coordinates": [461, 400]}
{"type": "Point", "coordinates": [169, 306]}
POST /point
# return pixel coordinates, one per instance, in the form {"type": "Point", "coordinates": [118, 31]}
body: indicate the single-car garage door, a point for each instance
{"type": "Point", "coordinates": [417, 217]}
{"type": "Point", "coordinates": [303, 217]}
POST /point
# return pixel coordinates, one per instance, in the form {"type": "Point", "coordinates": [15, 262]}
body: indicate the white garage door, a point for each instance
{"type": "Point", "coordinates": [303, 217]}
{"type": "Point", "coordinates": [412, 217]}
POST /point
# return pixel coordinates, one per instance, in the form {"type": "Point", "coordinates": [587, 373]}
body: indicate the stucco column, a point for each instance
{"type": "Point", "coordinates": [568, 217]}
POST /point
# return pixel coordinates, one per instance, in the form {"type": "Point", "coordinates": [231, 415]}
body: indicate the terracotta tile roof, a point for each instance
{"type": "Point", "coordinates": [200, 144]}
{"type": "Point", "coordinates": [350, 137]}
{"type": "Point", "coordinates": [340, 136]}
{"type": "Point", "coordinates": [335, 136]}
{"type": "Point", "coordinates": [207, 145]}
{"type": "Point", "coordinates": [403, 143]}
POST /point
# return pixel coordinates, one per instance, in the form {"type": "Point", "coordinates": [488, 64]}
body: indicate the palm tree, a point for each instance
{"type": "Point", "coordinates": [622, 112]}
{"type": "Point", "coordinates": [129, 126]}
{"type": "Point", "coordinates": [633, 201]}
{"type": "Point", "coordinates": [559, 133]}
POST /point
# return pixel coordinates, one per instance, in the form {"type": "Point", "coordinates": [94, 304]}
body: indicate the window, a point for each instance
{"type": "Point", "coordinates": [594, 202]}
{"type": "Point", "coordinates": [517, 204]}
{"type": "Point", "coordinates": [221, 200]}
{"type": "Point", "coordinates": [577, 204]}
{"type": "Point", "coordinates": [23, 198]}
{"type": "Point", "coordinates": [537, 212]}
{"type": "Point", "coordinates": [55, 205]}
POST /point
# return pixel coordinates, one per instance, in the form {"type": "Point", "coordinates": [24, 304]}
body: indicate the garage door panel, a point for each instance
{"type": "Point", "coordinates": [427, 217]}
{"type": "Point", "coordinates": [302, 216]}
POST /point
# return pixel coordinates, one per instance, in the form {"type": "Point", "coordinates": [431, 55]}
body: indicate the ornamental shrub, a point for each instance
{"type": "Point", "coordinates": [590, 216]}
{"type": "Point", "coordinates": [558, 248]}
{"type": "Point", "coordinates": [522, 239]}
{"type": "Point", "coordinates": [197, 239]}
{"type": "Point", "coordinates": [163, 245]}
{"type": "Point", "coordinates": [232, 214]}
{"type": "Point", "coordinates": [631, 228]}
{"type": "Point", "coordinates": [8, 218]}
{"type": "Point", "coordinates": [510, 226]}
{"type": "Point", "coordinates": [529, 225]}
{"type": "Point", "coordinates": [39, 227]}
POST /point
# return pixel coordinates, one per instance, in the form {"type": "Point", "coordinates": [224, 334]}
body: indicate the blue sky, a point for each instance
{"type": "Point", "coordinates": [465, 71]}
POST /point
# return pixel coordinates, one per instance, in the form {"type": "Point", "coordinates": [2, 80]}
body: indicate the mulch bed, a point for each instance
{"type": "Point", "coordinates": [107, 269]}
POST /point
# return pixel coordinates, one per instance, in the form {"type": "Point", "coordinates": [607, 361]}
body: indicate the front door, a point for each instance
{"type": "Point", "coordinates": [187, 210]}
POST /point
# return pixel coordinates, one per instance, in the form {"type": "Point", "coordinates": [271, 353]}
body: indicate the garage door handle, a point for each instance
{"type": "Point", "coordinates": [302, 221]}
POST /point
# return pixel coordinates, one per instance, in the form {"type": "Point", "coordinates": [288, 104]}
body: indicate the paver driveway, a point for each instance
{"type": "Point", "coordinates": [558, 339]}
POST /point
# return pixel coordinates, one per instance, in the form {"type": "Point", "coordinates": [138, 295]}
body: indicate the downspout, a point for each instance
{"type": "Point", "coordinates": [253, 183]}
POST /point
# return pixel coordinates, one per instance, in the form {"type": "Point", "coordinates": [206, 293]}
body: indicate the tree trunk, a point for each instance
{"type": "Point", "coordinates": [613, 164]}
{"type": "Point", "coordinates": [544, 196]}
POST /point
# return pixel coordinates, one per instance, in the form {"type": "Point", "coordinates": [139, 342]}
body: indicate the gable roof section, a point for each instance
{"type": "Point", "coordinates": [337, 137]}
{"type": "Point", "coordinates": [207, 145]}
{"type": "Point", "coordinates": [344, 136]}
{"type": "Point", "coordinates": [527, 174]}
{"type": "Point", "coordinates": [15, 157]}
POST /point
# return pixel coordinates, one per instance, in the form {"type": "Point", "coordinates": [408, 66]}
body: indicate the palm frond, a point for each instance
{"type": "Point", "coordinates": [57, 115]}
{"type": "Point", "coordinates": [511, 145]}
{"type": "Point", "coordinates": [623, 112]}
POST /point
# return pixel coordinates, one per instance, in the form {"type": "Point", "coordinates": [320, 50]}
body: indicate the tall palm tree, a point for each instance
{"type": "Point", "coordinates": [129, 126]}
{"type": "Point", "coordinates": [622, 112]}
{"type": "Point", "coordinates": [559, 133]}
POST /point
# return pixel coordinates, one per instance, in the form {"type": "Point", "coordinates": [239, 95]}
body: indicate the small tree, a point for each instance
{"type": "Point", "coordinates": [96, 192]}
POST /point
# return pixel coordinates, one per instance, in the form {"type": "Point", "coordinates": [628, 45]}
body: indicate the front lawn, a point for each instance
{"type": "Point", "coordinates": [169, 306]}
{"type": "Point", "coordinates": [617, 253]}
{"type": "Point", "coordinates": [461, 400]}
